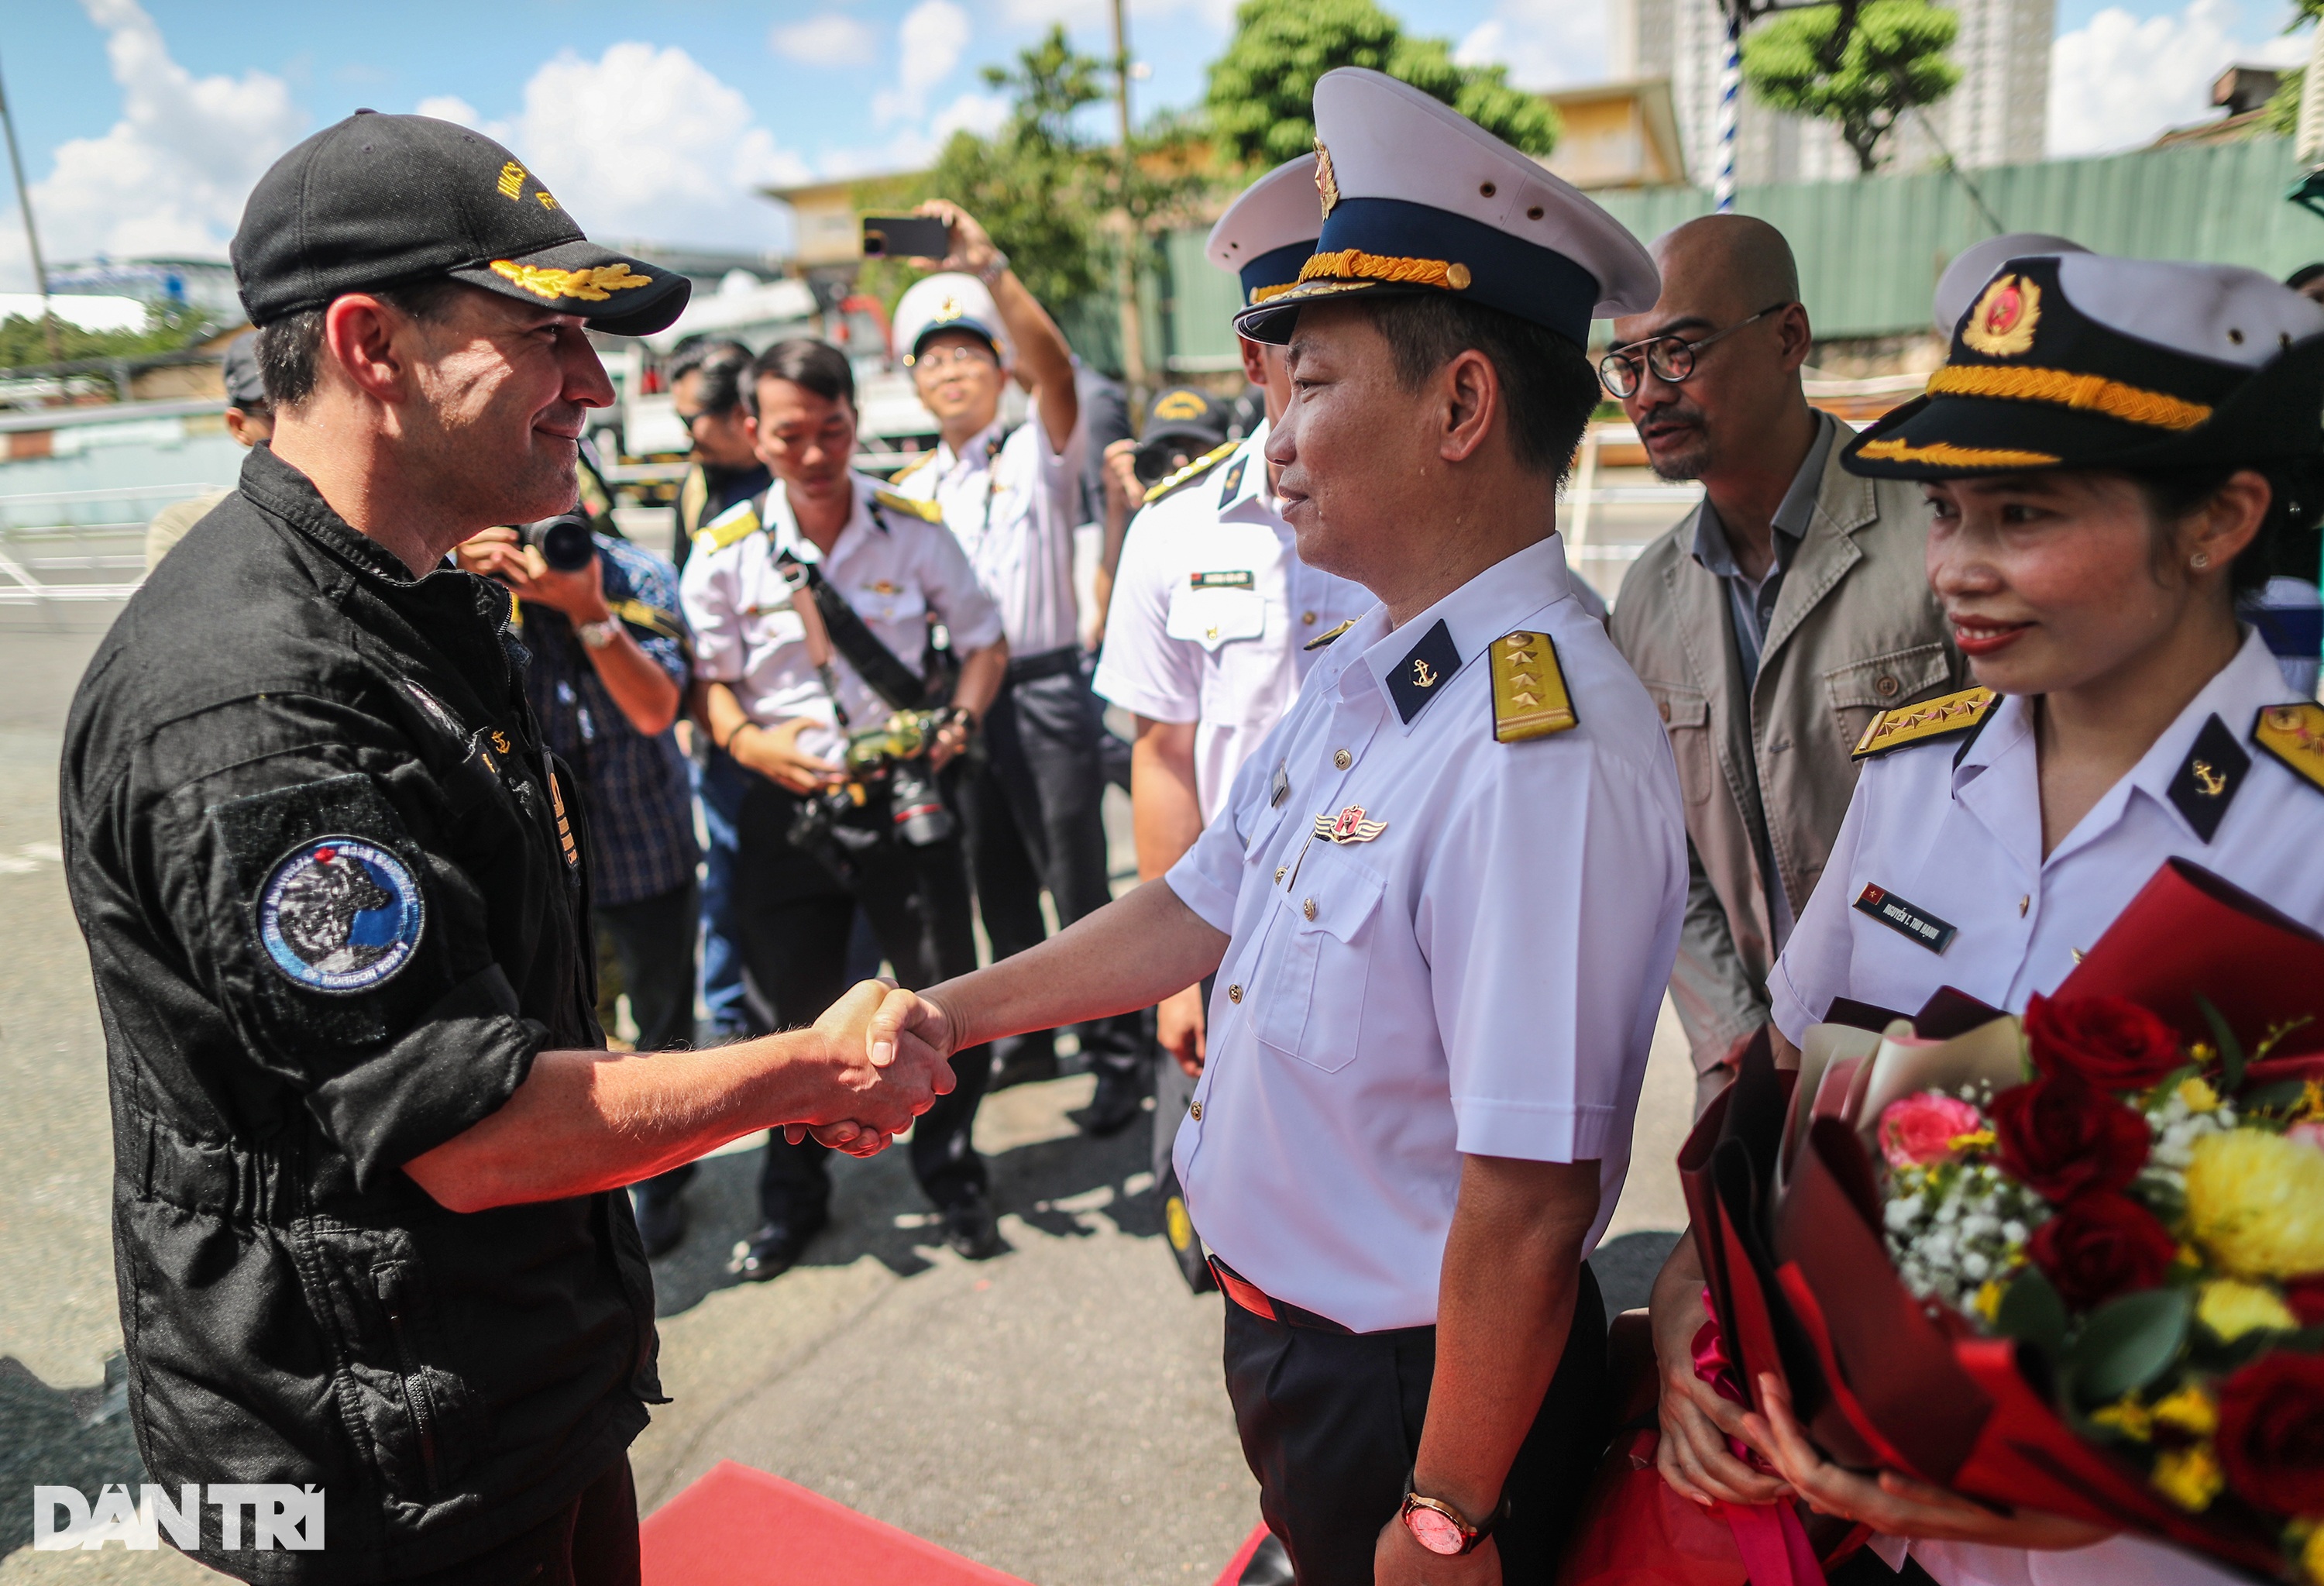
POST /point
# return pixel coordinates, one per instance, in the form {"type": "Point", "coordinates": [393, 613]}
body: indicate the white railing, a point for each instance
{"type": "Point", "coordinates": [79, 545]}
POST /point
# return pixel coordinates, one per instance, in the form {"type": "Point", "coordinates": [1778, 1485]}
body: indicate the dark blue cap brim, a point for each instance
{"type": "Point", "coordinates": [976, 328]}
{"type": "Point", "coordinates": [1278, 267]}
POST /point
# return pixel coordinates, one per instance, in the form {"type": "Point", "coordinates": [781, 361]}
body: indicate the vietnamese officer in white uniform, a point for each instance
{"type": "Point", "coordinates": [2111, 453]}
{"type": "Point", "coordinates": [1442, 898]}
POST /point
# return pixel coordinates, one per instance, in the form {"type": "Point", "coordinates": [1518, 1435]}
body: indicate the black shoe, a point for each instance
{"type": "Point", "coordinates": [971, 1229]}
{"type": "Point", "coordinates": [1119, 1099]}
{"type": "Point", "coordinates": [1025, 1060]}
{"type": "Point", "coordinates": [661, 1222]}
{"type": "Point", "coordinates": [1269, 1565]}
{"type": "Point", "coordinates": [775, 1248]}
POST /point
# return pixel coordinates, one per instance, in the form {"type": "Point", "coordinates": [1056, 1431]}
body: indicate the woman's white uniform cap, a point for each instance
{"type": "Point", "coordinates": [1415, 197]}
{"type": "Point", "coordinates": [948, 301]}
{"type": "Point", "coordinates": [1269, 231]}
{"type": "Point", "coordinates": [1974, 265]}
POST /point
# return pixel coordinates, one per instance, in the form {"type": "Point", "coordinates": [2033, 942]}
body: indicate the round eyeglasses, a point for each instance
{"type": "Point", "coordinates": [1670, 357]}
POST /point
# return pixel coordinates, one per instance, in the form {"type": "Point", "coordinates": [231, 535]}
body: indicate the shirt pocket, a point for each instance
{"type": "Point", "coordinates": [1307, 993]}
{"type": "Point", "coordinates": [1687, 717]}
{"type": "Point", "coordinates": [771, 626]}
{"type": "Point", "coordinates": [1861, 690]}
{"type": "Point", "coordinates": [1213, 617]}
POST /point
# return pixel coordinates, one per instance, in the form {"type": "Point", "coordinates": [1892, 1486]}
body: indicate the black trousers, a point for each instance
{"type": "Point", "coordinates": [1331, 1423]}
{"type": "Point", "coordinates": [652, 942]}
{"type": "Point", "coordinates": [792, 918]}
{"type": "Point", "coordinates": [591, 1541]}
{"type": "Point", "coordinates": [1035, 821]}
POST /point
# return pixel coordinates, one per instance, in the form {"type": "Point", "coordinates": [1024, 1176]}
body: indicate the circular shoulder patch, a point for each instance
{"type": "Point", "coordinates": [340, 915]}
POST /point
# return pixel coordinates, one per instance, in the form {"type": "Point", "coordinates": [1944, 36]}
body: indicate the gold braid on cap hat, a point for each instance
{"type": "Point", "coordinates": [1944, 454]}
{"type": "Point", "coordinates": [2093, 393]}
{"type": "Point", "coordinates": [1355, 264]}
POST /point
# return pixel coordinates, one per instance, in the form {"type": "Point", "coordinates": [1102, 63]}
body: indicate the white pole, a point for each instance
{"type": "Point", "coordinates": [1730, 93]}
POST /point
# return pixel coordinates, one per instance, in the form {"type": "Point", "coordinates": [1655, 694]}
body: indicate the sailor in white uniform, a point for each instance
{"type": "Point", "coordinates": [2114, 449]}
{"type": "Point", "coordinates": [1443, 898]}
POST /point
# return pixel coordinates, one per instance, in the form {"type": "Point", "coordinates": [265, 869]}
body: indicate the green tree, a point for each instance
{"type": "Point", "coordinates": [2282, 108]}
{"type": "Point", "coordinates": [1261, 93]}
{"type": "Point", "coordinates": [24, 344]}
{"type": "Point", "coordinates": [1863, 77]}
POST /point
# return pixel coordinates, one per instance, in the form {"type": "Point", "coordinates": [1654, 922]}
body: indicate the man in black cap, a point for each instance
{"type": "Point", "coordinates": [336, 899]}
{"type": "Point", "coordinates": [248, 419]}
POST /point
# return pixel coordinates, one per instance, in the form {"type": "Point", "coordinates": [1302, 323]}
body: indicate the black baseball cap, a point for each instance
{"type": "Point", "coordinates": [387, 201]}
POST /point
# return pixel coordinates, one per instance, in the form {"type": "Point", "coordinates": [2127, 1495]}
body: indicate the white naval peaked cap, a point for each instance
{"type": "Point", "coordinates": [947, 301]}
{"type": "Point", "coordinates": [2222, 312]}
{"type": "Point", "coordinates": [1417, 198]}
{"type": "Point", "coordinates": [1270, 230]}
{"type": "Point", "coordinates": [1974, 265]}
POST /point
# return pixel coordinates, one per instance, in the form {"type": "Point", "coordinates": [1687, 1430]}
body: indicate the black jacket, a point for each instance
{"type": "Point", "coordinates": [334, 908]}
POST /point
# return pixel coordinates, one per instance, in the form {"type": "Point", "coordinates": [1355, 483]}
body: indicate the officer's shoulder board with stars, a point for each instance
{"type": "Point", "coordinates": [2294, 734]}
{"type": "Point", "coordinates": [912, 468]}
{"type": "Point", "coordinates": [1529, 695]}
{"type": "Point", "coordinates": [1943, 717]}
{"type": "Point", "coordinates": [736, 524]}
{"type": "Point", "coordinates": [1192, 472]}
{"type": "Point", "coordinates": [927, 512]}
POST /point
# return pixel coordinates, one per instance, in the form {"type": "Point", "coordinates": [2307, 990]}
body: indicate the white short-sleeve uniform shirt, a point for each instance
{"type": "Point", "coordinates": [1962, 842]}
{"type": "Point", "coordinates": [1012, 501]}
{"type": "Point", "coordinates": [894, 569]}
{"type": "Point", "coordinates": [1480, 976]}
{"type": "Point", "coordinates": [1212, 612]}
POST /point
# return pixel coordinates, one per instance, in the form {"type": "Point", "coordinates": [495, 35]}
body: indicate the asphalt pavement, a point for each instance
{"type": "Point", "coordinates": [1055, 1412]}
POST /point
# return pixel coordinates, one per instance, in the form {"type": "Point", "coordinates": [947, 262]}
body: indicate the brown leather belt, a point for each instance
{"type": "Point", "coordinates": [1258, 1302]}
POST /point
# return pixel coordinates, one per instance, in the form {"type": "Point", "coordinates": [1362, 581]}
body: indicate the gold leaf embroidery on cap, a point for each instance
{"type": "Point", "coordinates": [1179, 404]}
{"type": "Point", "coordinates": [2002, 324]}
{"type": "Point", "coordinates": [1327, 185]}
{"type": "Point", "coordinates": [2091, 392]}
{"type": "Point", "coordinates": [512, 180]}
{"type": "Point", "coordinates": [1355, 264]}
{"type": "Point", "coordinates": [1944, 454]}
{"type": "Point", "coordinates": [590, 286]}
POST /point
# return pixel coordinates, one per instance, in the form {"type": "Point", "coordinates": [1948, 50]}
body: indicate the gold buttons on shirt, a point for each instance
{"type": "Point", "coordinates": [1308, 618]}
{"type": "Point", "coordinates": [1235, 993]}
{"type": "Point", "coordinates": [1278, 874]}
{"type": "Point", "coordinates": [2024, 904]}
{"type": "Point", "coordinates": [1308, 908]}
{"type": "Point", "coordinates": [1195, 1112]}
{"type": "Point", "coordinates": [1343, 759]}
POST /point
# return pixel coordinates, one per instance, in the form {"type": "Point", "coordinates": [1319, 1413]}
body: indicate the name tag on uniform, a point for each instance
{"type": "Point", "coordinates": [1914, 924]}
{"type": "Point", "coordinates": [1238, 578]}
{"type": "Point", "coordinates": [1279, 788]}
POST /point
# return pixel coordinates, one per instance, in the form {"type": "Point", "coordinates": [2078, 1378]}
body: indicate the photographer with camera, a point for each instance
{"type": "Point", "coordinates": [609, 668]}
{"type": "Point", "coordinates": [832, 723]}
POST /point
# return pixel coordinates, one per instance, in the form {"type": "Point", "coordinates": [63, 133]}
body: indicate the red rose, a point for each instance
{"type": "Point", "coordinates": [2305, 1295]}
{"type": "Point", "coordinates": [2100, 1245]}
{"type": "Point", "coordinates": [2114, 1045]}
{"type": "Point", "coordinates": [2061, 1138]}
{"type": "Point", "coordinates": [2272, 1433]}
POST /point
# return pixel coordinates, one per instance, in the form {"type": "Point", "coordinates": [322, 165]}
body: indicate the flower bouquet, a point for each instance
{"type": "Point", "coordinates": [2076, 1262]}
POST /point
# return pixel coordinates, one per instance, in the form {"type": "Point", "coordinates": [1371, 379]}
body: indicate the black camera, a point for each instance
{"type": "Point", "coordinates": [564, 541]}
{"type": "Point", "coordinates": [915, 806]}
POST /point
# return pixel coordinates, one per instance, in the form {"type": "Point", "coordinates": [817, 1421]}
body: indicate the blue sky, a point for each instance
{"type": "Point", "coordinates": [145, 121]}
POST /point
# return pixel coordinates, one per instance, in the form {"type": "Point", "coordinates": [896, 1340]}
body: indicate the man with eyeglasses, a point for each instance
{"type": "Point", "coordinates": [1772, 622]}
{"type": "Point", "coordinates": [705, 389]}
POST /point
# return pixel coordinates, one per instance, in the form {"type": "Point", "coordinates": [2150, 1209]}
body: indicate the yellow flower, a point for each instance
{"type": "Point", "coordinates": [2232, 1308]}
{"type": "Point", "coordinates": [2196, 1092]}
{"type": "Point", "coordinates": [2255, 1201]}
{"type": "Point", "coordinates": [2190, 1410]}
{"type": "Point", "coordinates": [1986, 1301]}
{"type": "Point", "coordinates": [2189, 1477]}
{"type": "Point", "coordinates": [2127, 1416]}
{"type": "Point", "coordinates": [2312, 1555]}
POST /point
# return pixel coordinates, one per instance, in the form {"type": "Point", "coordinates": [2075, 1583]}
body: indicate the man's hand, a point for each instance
{"type": "Point", "coordinates": [950, 744]}
{"type": "Point", "coordinates": [774, 754]}
{"type": "Point", "coordinates": [910, 1027]}
{"type": "Point", "coordinates": [1693, 1455]}
{"type": "Point", "coordinates": [1399, 1560]}
{"type": "Point", "coordinates": [498, 553]}
{"type": "Point", "coordinates": [1178, 1029]}
{"type": "Point", "coordinates": [1122, 487]}
{"type": "Point", "coordinates": [869, 1086]}
{"type": "Point", "coordinates": [972, 247]}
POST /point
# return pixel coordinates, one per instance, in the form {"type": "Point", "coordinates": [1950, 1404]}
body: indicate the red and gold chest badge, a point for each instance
{"type": "Point", "coordinates": [1348, 826]}
{"type": "Point", "coordinates": [2002, 324]}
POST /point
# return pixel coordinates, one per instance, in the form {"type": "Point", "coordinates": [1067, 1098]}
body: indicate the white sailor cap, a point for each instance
{"type": "Point", "coordinates": [1974, 265]}
{"type": "Point", "coordinates": [1271, 231]}
{"type": "Point", "coordinates": [2080, 360]}
{"type": "Point", "coordinates": [947, 301]}
{"type": "Point", "coordinates": [1417, 198]}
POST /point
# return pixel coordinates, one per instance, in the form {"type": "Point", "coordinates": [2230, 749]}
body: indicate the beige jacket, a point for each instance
{"type": "Point", "coordinates": [1854, 631]}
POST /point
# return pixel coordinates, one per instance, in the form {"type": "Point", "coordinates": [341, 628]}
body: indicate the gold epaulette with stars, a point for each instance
{"type": "Point", "coordinates": [2294, 735]}
{"type": "Point", "coordinates": [736, 524]}
{"type": "Point", "coordinates": [927, 512]}
{"type": "Point", "coordinates": [1192, 471]}
{"type": "Point", "coordinates": [1529, 696]}
{"type": "Point", "coordinates": [1328, 635]}
{"type": "Point", "coordinates": [1918, 724]}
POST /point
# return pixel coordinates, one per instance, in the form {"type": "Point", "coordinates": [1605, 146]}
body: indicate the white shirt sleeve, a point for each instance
{"type": "Point", "coordinates": [953, 593]}
{"type": "Point", "coordinates": [1142, 668]}
{"type": "Point", "coordinates": [706, 591]}
{"type": "Point", "coordinates": [1550, 938]}
{"type": "Point", "coordinates": [1814, 965]}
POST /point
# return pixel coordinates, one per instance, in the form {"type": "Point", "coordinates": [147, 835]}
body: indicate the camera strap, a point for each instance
{"type": "Point", "coordinates": [894, 682]}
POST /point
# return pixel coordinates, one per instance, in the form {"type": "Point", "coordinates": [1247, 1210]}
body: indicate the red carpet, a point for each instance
{"type": "Point", "coordinates": [738, 1526]}
{"type": "Point", "coordinates": [1233, 1571]}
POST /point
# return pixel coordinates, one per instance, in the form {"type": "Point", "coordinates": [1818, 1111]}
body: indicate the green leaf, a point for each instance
{"type": "Point", "coordinates": [2277, 1097]}
{"type": "Point", "coordinates": [2032, 1312]}
{"type": "Point", "coordinates": [2128, 1342]}
{"type": "Point", "coordinates": [2231, 1050]}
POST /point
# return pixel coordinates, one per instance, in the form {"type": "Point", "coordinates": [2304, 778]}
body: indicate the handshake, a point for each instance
{"type": "Point", "coordinates": [883, 1059]}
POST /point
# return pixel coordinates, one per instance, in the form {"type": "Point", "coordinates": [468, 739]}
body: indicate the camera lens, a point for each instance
{"type": "Point", "coordinates": [563, 540]}
{"type": "Point", "coordinates": [919, 812]}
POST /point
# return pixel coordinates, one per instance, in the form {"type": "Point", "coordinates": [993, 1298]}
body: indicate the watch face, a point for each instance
{"type": "Point", "coordinates": [1435, 1532]}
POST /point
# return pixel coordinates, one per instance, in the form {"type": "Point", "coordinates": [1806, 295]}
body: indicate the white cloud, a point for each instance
{"type": "Point", "coordinates": [980, 113]}
{"type": "Point", "coordinates": [679, 165]}
{"type": "Point", "coordinates": [1078, 15]}
{"type": "Point", "coordinates": [170, 175]}
{"type": "Point", "coordinates": [1544, 43]}
{"type": "Point", "coordinates": [833, 38]}
{"type": "Point", "coordinates": [928, 44]}
{"type": "Point", "coordinates": [2117, 80]}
